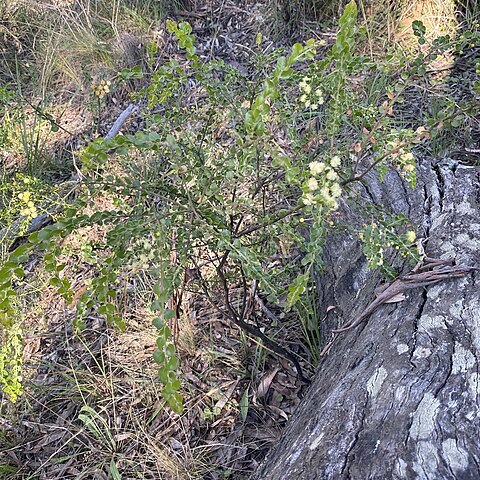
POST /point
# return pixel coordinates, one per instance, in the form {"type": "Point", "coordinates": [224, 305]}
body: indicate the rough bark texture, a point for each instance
{"type": "Point", "coordinates": [398, 396]}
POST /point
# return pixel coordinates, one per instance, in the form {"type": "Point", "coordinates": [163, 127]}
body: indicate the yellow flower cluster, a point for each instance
{"type": "Point", "coordinates": [11, 360]}
{"type": "Point", "coordinates": [323, 187]}
{"type": "Point", "coordinates": [28, 209]}
{"type": "Point", "coordinates": [405, 160]}
{"type": "Point", "coordinates": [101, 88]}
{"type": "Point", "coordinates": [410, 236]}
{"type": "Point", "coordinates": [311, 99]}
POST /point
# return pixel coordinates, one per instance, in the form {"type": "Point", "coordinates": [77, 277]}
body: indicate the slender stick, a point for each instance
{"type": "Point", "coordinates": [121, 120]}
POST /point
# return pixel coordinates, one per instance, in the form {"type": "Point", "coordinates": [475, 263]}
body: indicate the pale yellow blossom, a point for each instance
{"type": "Point", "coordinates": [410, 236]}
{"type": "Point", "coordinates": [336, 190]}
{"type": "Point", "coordinates": [25, 196]}
{"type": "Point", "coordinates": [332, 175]}
{"type": "Point", "coordinates": [335, 161]}
{"type": "Point", "coordinates": [316, 167]}
{"type": "Point", "coordinates": [332, 204]}
{"type": "Point", "coordinates": [312, 184]}
{"type": "Point", "coordinates": [407, 157]}
{"type": "Point", "coordinates": [308, 199]}
{"type": "Point", "coordinates": [325, 192]}
{"type": "Point", "coordinates": [304, 82]}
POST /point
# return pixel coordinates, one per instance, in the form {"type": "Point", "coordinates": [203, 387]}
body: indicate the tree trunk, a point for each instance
{"type": "Point", "coordinates": [398, 396]}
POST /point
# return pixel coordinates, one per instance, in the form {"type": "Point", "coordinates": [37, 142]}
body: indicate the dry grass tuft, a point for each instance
{"type": "Point", "coordinates": [93, 403]}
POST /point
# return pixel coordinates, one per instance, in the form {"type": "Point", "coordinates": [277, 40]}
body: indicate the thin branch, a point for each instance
{"type": "Point", "coordinates": [245, 294]}
{"type": "Point", "coordinates": [255, 228]}
{"type": "Point", "coordinates": [358, 178]}
{"type": "Point", "coordinates": [240, 322]}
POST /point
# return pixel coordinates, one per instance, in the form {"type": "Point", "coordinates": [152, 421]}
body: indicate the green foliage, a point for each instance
{"type": "Point", "coordinates": [182, 32]}
{"type": "Point", "coordinates": [11, 361]}
{"type": "Point", "coordinates": [383, 235]}
{"type": "Point", "coordinates": [10, 329]}
{"type": "Point", "coordinates": [231, 182]}
{"type": "Point", "coordinates": [297, 289]}
{"type": "Point", "coordinates": [127, 74]}
{"type": "Point", "coordinates": [21, 197]}
{"type": "Point", "coordinates": [419, 31]}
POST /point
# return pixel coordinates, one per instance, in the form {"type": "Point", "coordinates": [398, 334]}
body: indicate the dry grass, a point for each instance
{"type": "Point", "coordinates": [387, 24]}
{"type": "Point", "coordinates": [72, 41]}
{"type": "Point", "coordinates": [93, 403]}
{"type": "Point", "coordinates": [50, 53]}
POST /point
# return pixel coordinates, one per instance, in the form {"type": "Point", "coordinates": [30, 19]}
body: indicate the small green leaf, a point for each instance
{"type": "Point", "coordinates": [114, 471]}
{"type": "Point", "coordinates": [5, 274]}
{"type": "Point", "coordinates": [170, 350]}
{"type": "Point", "coordinates": [243, 405]}
{"type": "Point", "coordinates": [156, 306]}
{"type": "Point", "coordinates": [55, 282]}
{"type": "Point", "coordinates": [172, 363]}
{"type": "Point", "coordinates": [297, 50]}
{"type": "Point", "coordinates": [159, 357]}
{"type": "Point", "coordinates": [176, 403]}
{"type": "Point", "coordinates": [163, 375]}
{"type": "Point", "coordinates": [19, 272]}
{"type": "Point", "coordinates": [19, 253]}
{"type": "Point", "coordinates": [297, 289]}
{"type": "Point", "coordinates": [418, 28]}
{"type": "Point", "coordinates": [6, 285]}
{"type": "Point", "coordinates": [457, 121]}
{"type": "Point", "coordinates": [158, 323]}
{"type": "Point", "coordinates": [119, 323]}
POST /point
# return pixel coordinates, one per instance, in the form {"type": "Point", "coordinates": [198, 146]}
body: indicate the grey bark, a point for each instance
{"type": "Point", "coordinates": [398, 396]}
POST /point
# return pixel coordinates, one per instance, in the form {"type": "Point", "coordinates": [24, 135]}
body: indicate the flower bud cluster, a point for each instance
{"type": "Point", "coordinates": [323, 188]}
{"type": "Point", "coordinates": [404, 160]}
{"type": "Point", "coordinates": [310, 97]}
{"type": "Point", "coordinates": [28, 210]}
{"type": "Point", "coordinates": [377, 238]}
{"type": "Point", "coordinates": [101, 88]}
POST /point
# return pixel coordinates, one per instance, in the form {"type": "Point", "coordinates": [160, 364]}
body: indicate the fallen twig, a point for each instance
{"type": "Point", "coordinates": [432, 272]}
{"type": "Point", "coordinates": [121, 120]}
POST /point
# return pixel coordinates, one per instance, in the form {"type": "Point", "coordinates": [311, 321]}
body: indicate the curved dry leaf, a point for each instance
{"type": "Point", "coordinates": [265, 383]}
{"type": "Point", "coordinates": [399, 297]}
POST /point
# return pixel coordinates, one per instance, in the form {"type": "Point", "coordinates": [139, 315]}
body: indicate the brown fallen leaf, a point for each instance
{"type": "Point", "coordinates": [265, 383]}
{"type": "Point", "coordinates": [226, 396]}
{"type": "Point", "coordinates": [400, 297]}
{"type": "Point", "coordinates": [278, 411]}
